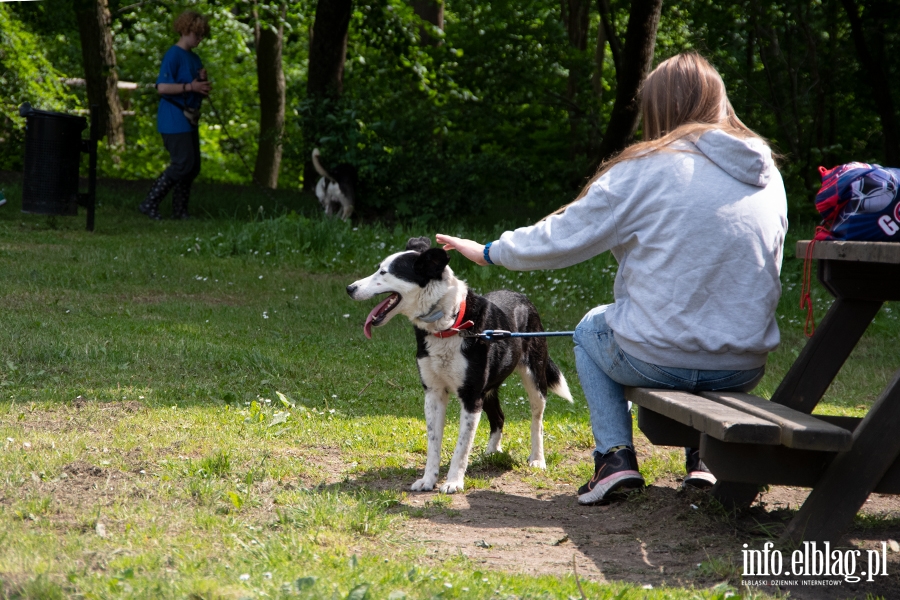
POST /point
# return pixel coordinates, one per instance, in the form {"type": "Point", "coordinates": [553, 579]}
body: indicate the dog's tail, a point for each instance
{"type": "Point", "coordinates": [319, 168]}
{"type": "Point", "coordinates": [556, 381]}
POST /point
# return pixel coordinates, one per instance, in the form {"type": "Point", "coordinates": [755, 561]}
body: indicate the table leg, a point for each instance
{"type": "Point", "coordinates": [811, 374]}
{"type": "Point", "coordinates": [825, 353]}
{"type": "Point", "coordinates": [734, 495]}
{"type": "Point", "coordinates": [851, 477]}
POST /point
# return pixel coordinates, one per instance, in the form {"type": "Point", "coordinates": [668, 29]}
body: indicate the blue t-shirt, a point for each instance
{"type": "Point", "coordinates": [178, 66]}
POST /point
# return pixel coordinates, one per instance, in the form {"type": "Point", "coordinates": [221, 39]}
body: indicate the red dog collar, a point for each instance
{"type": "Point", "coordinates": [454, 330]}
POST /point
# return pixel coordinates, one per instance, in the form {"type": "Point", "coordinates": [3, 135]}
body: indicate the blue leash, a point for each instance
{"type": "Point", "coordinates": [492, 335]}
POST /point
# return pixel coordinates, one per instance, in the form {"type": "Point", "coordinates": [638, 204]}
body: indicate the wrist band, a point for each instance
{"type": "Point", "coordinates": [487, 253]}
{"type": "Point", "coordinates": [183, 88]}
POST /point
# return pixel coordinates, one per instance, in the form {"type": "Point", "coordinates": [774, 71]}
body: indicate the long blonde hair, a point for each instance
{"type": "Point", "coordinates": [683, 97]}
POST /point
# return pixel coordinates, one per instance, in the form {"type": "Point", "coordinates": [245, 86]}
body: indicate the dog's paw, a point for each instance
{"type": "Point", "coordinates": [423, 485]}
{"type": "Point", "coordinates": [451, 487]}
{"type": "Point", "coordinates": [537, 464]}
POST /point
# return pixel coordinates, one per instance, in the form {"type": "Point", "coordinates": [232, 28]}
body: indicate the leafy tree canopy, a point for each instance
{"type": "Point", "coordinates": [502, 112]}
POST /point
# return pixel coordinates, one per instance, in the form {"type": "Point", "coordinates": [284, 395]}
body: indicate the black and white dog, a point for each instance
{"type": "Point", "coordinates": [336, 190]}
{"type": "Point", "coordinates": [422, 287]}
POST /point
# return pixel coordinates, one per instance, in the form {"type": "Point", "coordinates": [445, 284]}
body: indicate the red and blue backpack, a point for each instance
{"type": "Point", "coordinates": [859, 202]}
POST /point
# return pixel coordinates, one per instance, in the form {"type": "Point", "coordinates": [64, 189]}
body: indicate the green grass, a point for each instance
{"type": "Point", "coordinates": [177, 401]}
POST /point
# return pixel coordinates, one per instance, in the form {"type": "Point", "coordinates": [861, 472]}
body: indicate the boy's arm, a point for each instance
{"type": "Point", "coordinates": [200, 87]}
{"type": "Point", "coordinates": [169, 74]}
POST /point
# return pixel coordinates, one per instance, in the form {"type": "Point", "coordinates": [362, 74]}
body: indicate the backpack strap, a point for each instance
{"type": "Point", "coordinates": [171, 100]}
{"type": "Point", "coordinates": [809, 328]}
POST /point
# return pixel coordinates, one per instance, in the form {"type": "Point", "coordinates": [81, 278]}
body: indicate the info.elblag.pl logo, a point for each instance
{"type": "Point", "coordinates": [813, 560]}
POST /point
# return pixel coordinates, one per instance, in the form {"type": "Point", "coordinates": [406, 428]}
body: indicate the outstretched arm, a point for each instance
{"type": "Point", "coordinates": [587, 228]}
{"type": "Point", "coordinates": [468, 248]}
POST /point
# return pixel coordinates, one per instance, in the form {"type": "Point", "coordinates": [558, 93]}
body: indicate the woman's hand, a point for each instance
{"type": "Point", "coordinates": [471, 250]}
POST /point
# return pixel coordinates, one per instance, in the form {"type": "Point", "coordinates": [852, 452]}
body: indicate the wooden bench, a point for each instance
{"type": "Point", "coordinates": [745, 438]}
{"type": "Point", "coordinates": [741, 418]}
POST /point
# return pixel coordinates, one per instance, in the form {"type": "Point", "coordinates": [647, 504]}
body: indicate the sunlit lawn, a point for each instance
{"type": "Point", "coordinates": [176, 399]}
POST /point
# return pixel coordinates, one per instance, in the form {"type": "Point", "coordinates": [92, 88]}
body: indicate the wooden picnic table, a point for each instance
{"type": "Point", "coordinates": [747, 441]}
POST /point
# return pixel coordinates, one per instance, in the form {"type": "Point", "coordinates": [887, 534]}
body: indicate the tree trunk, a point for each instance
{"type": "Point", "coordinates": [829, 158]}
{"type": "Point", "coordinates": [100, 72]}
{"type": "Point", "coordinates": [775, 84]}
{"type": "Point", "coordinates": [877, 78]}
{"type": "Point", "coordinates": [576, 17]}
{"type": "Point", "coordinates": [815, 139]}
{"type": "Point", "coordinates": [325, 75]}
{"type": "Point", "coordinates": [610, 30]}
{"type": "Point", "coordinates": [576, 14]}
{"type": "Point", "coordinates": [599, 59]}
{"type": "Point", "coordinates": [750, 48]}
{"type": "Point", "coordinates": [636, 59]}
{"type": "Point", "coordinates": [328, 48]}
{"type": "Point", "coordinates": [270, 81]}
{"type": "Point", "coordinates": [430, 11]}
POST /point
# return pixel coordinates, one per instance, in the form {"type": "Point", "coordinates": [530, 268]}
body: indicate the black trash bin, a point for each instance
{"type": "Point", "coordinates": [52, 156]}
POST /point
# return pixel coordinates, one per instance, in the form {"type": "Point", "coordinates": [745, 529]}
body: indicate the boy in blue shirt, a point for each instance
{"type": "Point", "coordinates": [181, 84]}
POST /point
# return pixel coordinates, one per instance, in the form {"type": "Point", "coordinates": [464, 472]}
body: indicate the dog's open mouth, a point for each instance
{"type": "Point", "coordinates": [378, 314]}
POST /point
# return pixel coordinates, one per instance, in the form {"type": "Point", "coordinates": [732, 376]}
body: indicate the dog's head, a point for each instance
{"type": "Point", "coordinates": [417, 280]}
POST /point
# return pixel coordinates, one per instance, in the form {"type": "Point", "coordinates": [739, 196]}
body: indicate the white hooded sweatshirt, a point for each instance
{"type": "Point", "coordinates": [698, 231]}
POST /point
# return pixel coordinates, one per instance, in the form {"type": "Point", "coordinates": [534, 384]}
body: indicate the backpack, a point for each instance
{"type": "Point", "coordinates": [859, 201]}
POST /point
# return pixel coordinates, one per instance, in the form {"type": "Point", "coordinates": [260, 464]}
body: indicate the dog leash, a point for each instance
{"type": "Point", "coordinates": [492, 335]}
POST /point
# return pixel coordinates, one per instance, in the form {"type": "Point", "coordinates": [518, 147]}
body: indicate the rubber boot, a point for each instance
{"type": "Point", "coordinates": [181, 194]}
{"type": "Point", "coordinates": [161, 187]}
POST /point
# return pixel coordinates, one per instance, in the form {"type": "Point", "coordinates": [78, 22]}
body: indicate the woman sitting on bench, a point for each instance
{"type": "Point", "coordinates": [695, 215]}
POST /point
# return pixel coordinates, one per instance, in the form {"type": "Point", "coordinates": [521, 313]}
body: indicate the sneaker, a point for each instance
{"type": "Point", "coordinates": [615, 475]}
{"type": "Point", "coordinates": [698, 476]}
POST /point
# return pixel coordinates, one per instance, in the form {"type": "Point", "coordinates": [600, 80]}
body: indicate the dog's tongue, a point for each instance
{"type": "Point", "coordinates": [367, 328]}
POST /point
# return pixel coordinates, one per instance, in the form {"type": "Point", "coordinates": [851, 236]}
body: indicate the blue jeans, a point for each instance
{"type": "Point", "coordinates": [604, 370]}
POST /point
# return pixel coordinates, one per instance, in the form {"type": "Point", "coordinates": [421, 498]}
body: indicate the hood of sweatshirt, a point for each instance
{"type": "Point", "coordinates": [747, 160]}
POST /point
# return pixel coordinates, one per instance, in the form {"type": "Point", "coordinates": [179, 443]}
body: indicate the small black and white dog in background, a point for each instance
{"type": "Point", "coordinates": [336, 190]}
{"type": "Point", "coordinates": [422, 287]}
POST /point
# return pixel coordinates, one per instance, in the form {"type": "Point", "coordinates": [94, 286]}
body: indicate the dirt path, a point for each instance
{"type": "Point", "coordinates": [665, 536]}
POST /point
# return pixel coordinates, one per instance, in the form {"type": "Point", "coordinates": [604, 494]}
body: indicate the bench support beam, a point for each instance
{"type": "Point", "coordinates": [758, 465]}
{"type": "Point", "coordinates": [664, 431]}
{"type": "Point", "coordinates": [825, 353]}
{"type": "Point", "coordinates": [852, 475]}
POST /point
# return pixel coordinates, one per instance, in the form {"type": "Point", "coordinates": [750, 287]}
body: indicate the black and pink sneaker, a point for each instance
{"type": "Point", "coordinates": [615, 475]}
{"type": "Point", "coordinates": [697, 474]}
